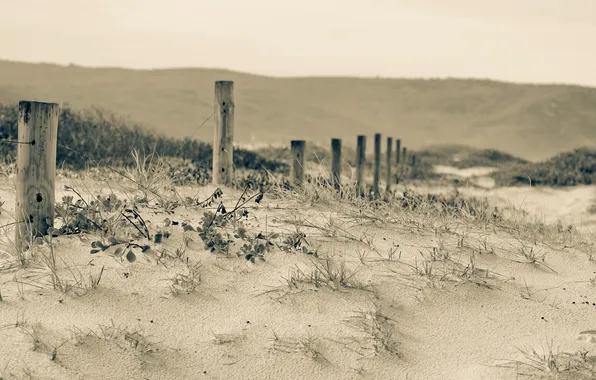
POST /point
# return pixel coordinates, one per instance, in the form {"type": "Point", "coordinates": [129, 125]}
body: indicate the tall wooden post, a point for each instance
{"type": "Point", "coordinates": [360, 162]}
{"type": "Point", "coordinates": [377, 167]}
{"type": "Point", "coordinates": [336, 163]}
{"type": "Point", "coordinates": [297, 148]}
{"type": "Point", "coordinates": [389, 164]}
{"type": "Point", "coordinates": [223, 151]}
{"type": "Point", "coordinates": [36, 170]}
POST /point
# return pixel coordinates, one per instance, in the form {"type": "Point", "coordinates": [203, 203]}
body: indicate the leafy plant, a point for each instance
{"type": "Point", "coordinates": [255, 246]}
{"type": "Point", "coordinates": [124, 248]}
{"type": "Point", "coordinates": [296, 242]}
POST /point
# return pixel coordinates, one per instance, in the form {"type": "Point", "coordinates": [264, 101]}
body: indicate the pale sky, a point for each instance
{"type": "Point", "coordinates": [514, 40]}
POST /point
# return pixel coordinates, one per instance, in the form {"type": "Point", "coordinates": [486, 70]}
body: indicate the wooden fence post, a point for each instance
{"type": "Point", "coordinates": [336, 163]}
{"type": "Point", "coordinates": [223, 150]}
{"type": "Point", "coordinates": [389, 163]}
{"type": "Point", "coordinates": [404, 156]}
{"type": "Point", "coordinates": [404, 162]}
{"type": "Point", "coordinates": [377, 167]}
{"type": "Point", "coordinates": [360, 162]}
{"type": "Point", "coordinates": [297, 167]}
{"type": "Point", "coordinates": [36, 170]}
{"type": "Point", "coordinates": [397, 157]}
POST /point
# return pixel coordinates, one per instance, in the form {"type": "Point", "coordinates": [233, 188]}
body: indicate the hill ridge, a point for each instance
{"type": "Point", "coordinates": [532, 121]}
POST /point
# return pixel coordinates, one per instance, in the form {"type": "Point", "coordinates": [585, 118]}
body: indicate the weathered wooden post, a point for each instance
{"type": "Point", "coordinates": [360, 161]}
{"type": "Point", "coordinates": [389, 163]}
{"type": "Point", "coordinates": [404, 162]}
{"type": "Point", "coordinates": [336, 163]}
{"type": "Point", "coordinates": [223, 150]}
{"type": "Point", "coordinates": [377, 167]}
{"type": "Point", "coordinates": [397, 156]}
{"type": "Point", "coordinates": [297, 166]}
{"type": "Point", "coordinates": [36, 170]}
{"type": "Point", "coordinates": [404, 156]}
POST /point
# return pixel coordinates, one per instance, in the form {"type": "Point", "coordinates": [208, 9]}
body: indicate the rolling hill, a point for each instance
{"type": "Point", "coordinates": [530, 121]}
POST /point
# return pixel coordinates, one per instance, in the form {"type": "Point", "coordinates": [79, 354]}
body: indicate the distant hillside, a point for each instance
{"type": "Point", "coordinates": [530, 121]}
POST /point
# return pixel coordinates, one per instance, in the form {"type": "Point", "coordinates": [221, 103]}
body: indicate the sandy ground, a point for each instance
{"type": "Point", "coordinates": [570, 206]}
{"type": "Point", "coordinates": [390, 295]}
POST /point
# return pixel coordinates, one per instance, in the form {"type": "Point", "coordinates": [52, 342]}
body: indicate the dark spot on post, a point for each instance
{"type": "Point", "coordinates": [33, 142]}
{"type": "Point", "coordinates": [27, 112]}
{"type": "Point", "coordinates": [38, 197]}
{"type": "Point", "coordinates": [223, 103]}
{"type": "Point", "coordinates": [223, 149]}
{"type": "Point", "coordinates": [223, 170]}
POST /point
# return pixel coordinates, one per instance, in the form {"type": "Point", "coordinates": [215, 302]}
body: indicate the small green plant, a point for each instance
{"type": "Point", "coordinates": [211, 234]}
{"type": "Point", "coordinates": [212, 230]}
{"type": "Point", "coordinates": [123, 248]}
{"type": "Point", "coordinates": [103, 214]}
{"type": "Point", "coordinates": [296, 242]}
{"type": "Point", "coordinates": [255, 246]}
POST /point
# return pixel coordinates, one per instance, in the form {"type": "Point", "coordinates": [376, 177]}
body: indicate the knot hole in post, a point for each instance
{"type": "Point", "coordinates": [38, 197]}
{"type": "Point", "coordinates": [33, 142]}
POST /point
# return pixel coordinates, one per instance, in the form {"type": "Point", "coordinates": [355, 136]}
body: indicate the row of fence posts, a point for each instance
{"type": "Point", "coordinates": [298, 152]}
{"type": "Point", "coordinates": [37, 146]}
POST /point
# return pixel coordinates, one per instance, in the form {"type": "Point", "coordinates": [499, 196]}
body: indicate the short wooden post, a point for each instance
{"type": "Point", "coordinates": [389, 163]}
{"type": "Point", "coordinates": [377, 167]}
{"type": "Point", "coordinates": [404, 162]}
{"type": "Point", "coordinates": [297, 166]}
{"type": "Point", "coordinates": [223, 151]}
{"type": "Point", "coordinates": [413, 160]}
{"type": "Point", "coordinates": [397, 150]}
{"type": "Point", "coordinates": [397, 157]}
{"type": "Point", "coordinates": [404, 156]}
{"type": "Point", "coordinates": [360, 162]}
{"type": "Point", "coordinates": [36, 170]}
{"type": "Point", "coordinates": [336, 163]}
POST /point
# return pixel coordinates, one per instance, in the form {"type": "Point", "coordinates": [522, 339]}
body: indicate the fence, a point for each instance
{"type": "Point", "coordinates": [36, 160]}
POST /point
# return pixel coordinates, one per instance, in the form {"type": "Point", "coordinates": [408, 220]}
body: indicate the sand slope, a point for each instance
{"type": "Point", "coordinates": [422, 297]}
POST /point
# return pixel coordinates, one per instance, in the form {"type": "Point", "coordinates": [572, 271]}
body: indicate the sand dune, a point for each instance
{"type": "Point", "coordinates": [391, 294]}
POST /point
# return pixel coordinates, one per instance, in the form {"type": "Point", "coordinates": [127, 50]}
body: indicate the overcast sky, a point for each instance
{"type": "Point", "coordinates": [516, 40]}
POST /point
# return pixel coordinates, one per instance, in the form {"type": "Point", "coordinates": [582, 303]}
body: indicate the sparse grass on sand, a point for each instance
{"type": "Point", "coordinates": [145, 279]}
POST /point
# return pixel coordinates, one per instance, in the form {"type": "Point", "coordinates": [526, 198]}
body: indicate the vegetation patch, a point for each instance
{"type": "Point", "coordinates": [565, 169]}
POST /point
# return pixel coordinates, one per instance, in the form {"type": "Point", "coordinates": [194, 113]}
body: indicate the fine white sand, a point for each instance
{"type": "Point", "coordinates": [397, 314]}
